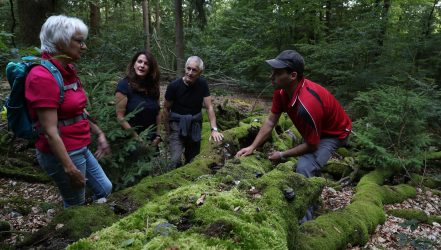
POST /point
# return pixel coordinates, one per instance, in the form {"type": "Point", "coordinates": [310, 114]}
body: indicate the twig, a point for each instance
{"type": "Point", "coordinates": [255, 100]}
{"type": "Point", "coordinates": [15, 232]}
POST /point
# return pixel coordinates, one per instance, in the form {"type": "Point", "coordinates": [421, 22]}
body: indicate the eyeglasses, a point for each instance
{"type": "Point", "coordinates": [79, 41]}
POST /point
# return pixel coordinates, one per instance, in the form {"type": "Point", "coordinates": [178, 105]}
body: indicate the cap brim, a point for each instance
{"type": "Point", "coordinates": [277, 64]}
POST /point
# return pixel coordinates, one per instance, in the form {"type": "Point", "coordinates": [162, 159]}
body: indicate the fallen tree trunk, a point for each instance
{"type": "Point", "coordinates": [352, 225]}
{"type": "Point", "coordinates": [216, 213]}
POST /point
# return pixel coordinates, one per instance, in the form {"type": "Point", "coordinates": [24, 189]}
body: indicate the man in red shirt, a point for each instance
{"type": "Point", "coordinates": [315, 112]}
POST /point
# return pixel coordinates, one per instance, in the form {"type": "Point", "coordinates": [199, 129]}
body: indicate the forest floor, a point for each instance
{"type": "Point", "coordinates": [395, 233]}
{"type": "Point", "coordinates": [35, 204]}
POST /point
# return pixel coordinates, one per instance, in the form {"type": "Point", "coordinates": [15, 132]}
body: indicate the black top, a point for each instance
{"type": "Point", "coordinates": [187, 100]}
{"type": "Point", "coordinates": [139, 100]}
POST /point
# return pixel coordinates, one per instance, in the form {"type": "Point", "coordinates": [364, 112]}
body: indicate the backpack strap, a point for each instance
{"type": "Point", "coordinates": [58, 77]}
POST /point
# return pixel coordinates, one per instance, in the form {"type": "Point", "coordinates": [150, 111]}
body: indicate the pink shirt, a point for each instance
{"type": "Point", "coordinates": [42, 91]}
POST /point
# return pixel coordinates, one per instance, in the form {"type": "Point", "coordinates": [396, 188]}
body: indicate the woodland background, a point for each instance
{"type": "Point", "coordinates": [381, 59]}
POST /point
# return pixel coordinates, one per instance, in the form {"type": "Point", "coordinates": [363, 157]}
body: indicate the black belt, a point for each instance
{"type": "Point", "coordinates": [70, 121]}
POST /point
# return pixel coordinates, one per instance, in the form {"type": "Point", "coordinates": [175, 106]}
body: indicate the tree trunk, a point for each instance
{"type": "Point", "coordinates": [106, 10]}
{"type": "Point", "coordinates": [146, 23]}
{"type": "Point", "coordinates": [202, 19]}
{"type": "Point", "coordinates": [384, 20]}
{"type": "Point", "coordinates": [179, 33]}
{"type": "Point", "coordinates": [158, 22]}
{"type": "Point", "coordinates": [328, 13]}
{"type": "Point", "coordinates": [11, 3]}
{"type": "Point", "coordinates": [31, 16]}
{"type": "Point", "coordinates": [95, 18]}
{"type": "Point", "coordinates": [427, 29]}
{"type": "Point", "coordinates": [133, 10]}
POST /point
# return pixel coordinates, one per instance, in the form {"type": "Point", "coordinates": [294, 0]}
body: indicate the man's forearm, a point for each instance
{"type": "Point", "coordinates": [264, 133]}
{"type": "Point", "coordinates": [300, 149]}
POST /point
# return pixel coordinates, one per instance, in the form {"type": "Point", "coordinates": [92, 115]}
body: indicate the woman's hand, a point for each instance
{"type": "Point", "coordinates": [77, 179]}
{"type": "Point", "coordinates": [103, 147]}
{"type": "Point", "coordinates": [156, 141]}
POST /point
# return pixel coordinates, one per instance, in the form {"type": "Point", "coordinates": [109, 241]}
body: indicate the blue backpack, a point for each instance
{"type": "Point", "coordinates": [18, 117]}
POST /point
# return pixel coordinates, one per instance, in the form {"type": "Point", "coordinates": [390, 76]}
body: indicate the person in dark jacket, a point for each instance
{"type": "Point", "coordinates": [138, 92]}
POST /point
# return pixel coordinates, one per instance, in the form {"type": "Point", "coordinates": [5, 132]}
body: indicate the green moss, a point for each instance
{"type": "Point", "coordinates": [18, 204]}
{"type": "Point", "coordinates": [76, 222]}
{"type": "Point", "coordinates": [24, 172]}
{"type": "Point", "coordinates": [227, 219]}
{"type": "Point", "coordinates": [398, 193]}
{"type": "Point", "coordinates": [410, 214]}
{"type": "Point", "coordinates": [416, 214]}
{"type": "Point", "coordinates": [5, 227]}
{"type": "Point", "coordinates": [425, 181]}
{"type": "Point", "coordinates": [343, 152]}
{"type": "Point", "coordinates": [353, 224]}
{"type": "Point", "coordinates": [337, 169]}
{"type": "Point", "coordinates": [433, 156]}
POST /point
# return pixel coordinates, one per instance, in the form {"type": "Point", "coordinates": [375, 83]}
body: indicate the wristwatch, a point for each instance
{"type": "Point", "coordinates": [214, 129]}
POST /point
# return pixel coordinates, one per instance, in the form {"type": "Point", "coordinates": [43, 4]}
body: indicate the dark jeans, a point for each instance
{"type": "Point", "coordinates": [310, 164]}
{"type": "Point", "coordinates": [179, 145]}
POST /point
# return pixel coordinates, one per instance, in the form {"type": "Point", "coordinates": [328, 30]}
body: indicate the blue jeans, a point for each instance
{"type": "Point", "coordinates": [309, 165]}
{"type": "Point", "coordinates": [84, 160]}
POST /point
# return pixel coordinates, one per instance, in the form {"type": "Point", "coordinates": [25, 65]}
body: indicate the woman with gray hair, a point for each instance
{"type": "Point", "coordinates": [65, 131]}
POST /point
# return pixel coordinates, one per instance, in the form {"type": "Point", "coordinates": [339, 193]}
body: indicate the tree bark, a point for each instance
{"type": "Point", "coordinates": [133, 10]}
{"type": "Point", "coordinates": [146, 23]}
{"type": "Point", "coordinates": [95, 18]}
{"type": "Point", "coordinates": [11, 3]}
{"type": "Point", "coordinates": [328, 13]}
{"type": "Point", "coordinates": [201, 16]}
{"type": "Point", "coordinates": [383, 21]}
{"type": "Point", "coordinates": [31, 16]}
{"type": "Point", "coordinates": [179, 33]}
{"type": "Point", "coordinates": [158, 21]}
{"type": "Point", "coordinates": [428, 29]}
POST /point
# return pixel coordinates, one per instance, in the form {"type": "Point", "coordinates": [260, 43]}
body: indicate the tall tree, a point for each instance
{"type": "Point", "coordinates": [158, 20]}
{"type": "Point", "coordinates": [31, 16]}
{"type": "Point", "coordinates": [146, 23]}
{"type": "Point", "coordinates": [95, 18]}
{"type": "Point", "coordinates": [179, 34]}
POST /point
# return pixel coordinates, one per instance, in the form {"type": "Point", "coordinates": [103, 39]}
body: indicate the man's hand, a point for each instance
{"type": "Point", "coordinates": [245, 151]}
{"type": "Point", "coordinates": [216, 136]}
{"type": "Point", "coordinates": [275, 156]}
{"type": "Point", "coordinates": [77, 179]}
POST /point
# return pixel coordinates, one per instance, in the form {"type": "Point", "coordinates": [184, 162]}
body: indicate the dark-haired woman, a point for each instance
{"type": "Point", "coordinates": [139, 91]}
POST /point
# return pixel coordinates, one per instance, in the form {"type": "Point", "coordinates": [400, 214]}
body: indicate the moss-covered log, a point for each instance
{"type": "Point", "coordinates": [353, 224]}
{"type": "Point", "coordinates": [426, 181]}
{"type": "Point", "coordinates": [252, 214]}
{"type": "Point", "coordinates": [433, 156]}
{"type": "Point", "coordinates": [415, 214]}
{"type": "Point", "coordinates": [70, 225]}
{"type": "Point", "coordinates": [212, 158]}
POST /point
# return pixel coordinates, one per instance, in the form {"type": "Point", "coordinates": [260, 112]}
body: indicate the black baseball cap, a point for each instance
{"type": "Point", "coordinates": [288, 59]}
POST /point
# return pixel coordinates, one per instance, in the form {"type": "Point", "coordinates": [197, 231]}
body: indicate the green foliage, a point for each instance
{"type": "Point", "coordinates": [392, 127]}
